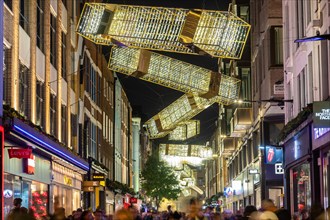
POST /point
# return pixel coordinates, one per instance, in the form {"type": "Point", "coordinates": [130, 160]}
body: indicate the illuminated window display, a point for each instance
{"type": "Point", "coordinates": [34, 194]}
{"type": "Point", "coordinates": [301, 188]}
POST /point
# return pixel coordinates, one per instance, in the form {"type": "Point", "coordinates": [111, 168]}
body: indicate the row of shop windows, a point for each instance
{"type": "Point", "coordinates": [39, 196]}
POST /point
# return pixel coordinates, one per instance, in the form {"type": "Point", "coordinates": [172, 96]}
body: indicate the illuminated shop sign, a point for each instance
{"type": "Point", "coordinates": [321, 114]}
{"type": "Point", "coordinates": [273, 155]}
{"type": "Point", "coordinates": [319, 132]}
{"type": "Point", "coordinates": [19, 153]}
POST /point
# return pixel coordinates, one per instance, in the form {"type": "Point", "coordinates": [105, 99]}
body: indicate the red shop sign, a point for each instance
{"type": "Point", "coordinates": [133, 200]}
{"type": "Point", "coordinates": [20, 153]}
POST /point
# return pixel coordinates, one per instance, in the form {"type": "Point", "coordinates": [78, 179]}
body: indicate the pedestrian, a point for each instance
{"type": "Point", "coordinates": [86, 215]}
{"type": "Point", "coordinates": [123, 214]}
{"type": "Point", "coordinates": [249, 209]}
{"type": "Point", "coordinates": [283, 214]}
{"type": "Point", "coordinates": [267, 215]}
{"type": "Point", "coordinates": [268, 205]}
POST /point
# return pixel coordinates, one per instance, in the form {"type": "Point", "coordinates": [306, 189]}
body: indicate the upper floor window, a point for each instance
{"type": "Point", "coordinates": [24, 15]}
{"type": "Point", "coordinates": [23, 89]}
{"type": "Point", "coordinates": [52, 114]}
{"type": "Point", "coordinates": [276, 42]}
{"type": "Point", "coordinates": [40, 24]}
{"type": "Point", "coordinates": [63, 124]}
{"type": "Point", "coordinates": [9, 3]}
{"type": "Point", "coordinates": [53, 40]}
{"type": "Point", "coordinates": [64, 72]}
{"type": "Point", "coordinates": [39, 103]}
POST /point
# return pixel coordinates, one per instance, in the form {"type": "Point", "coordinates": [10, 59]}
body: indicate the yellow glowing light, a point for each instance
{"type": "Point", "coordinates": [186, 130]}
{"type": "Point", "coordinates": [175, 74]}
{"type": "Point", "coordinates": [217, 33]}
{"type": "Point", "coordinates": [181, 110]}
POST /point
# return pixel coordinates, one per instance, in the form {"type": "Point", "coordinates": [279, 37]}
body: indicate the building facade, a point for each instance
{"type": "Point", "coordinates": [59, 111]}
{"type": "Point", "coordinates": [306, 77]}
{"type": "Point", "coordinates": [249, 128]}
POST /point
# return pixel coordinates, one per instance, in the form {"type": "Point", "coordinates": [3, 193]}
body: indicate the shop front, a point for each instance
{"type": "Point", "coordinates": [321, 147]}
{"type": "Point", "coordinates": [66, 188]}
{"type": "Point", "coordinates": [33, 165]}
{"type": "Point", "coordinates": [29, 184]}
{"type": "Point", "coordinates": [299, 171]}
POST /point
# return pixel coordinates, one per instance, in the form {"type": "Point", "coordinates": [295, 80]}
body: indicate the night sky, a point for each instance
{"type": "Point", "coordinates": [148, 99]}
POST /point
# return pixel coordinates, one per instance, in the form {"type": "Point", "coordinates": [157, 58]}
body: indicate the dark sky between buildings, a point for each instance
{"type": "Point", "coordinates": [148, 99]}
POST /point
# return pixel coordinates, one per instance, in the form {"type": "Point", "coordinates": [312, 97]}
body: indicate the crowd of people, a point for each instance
{"type": "Point", "coordinates": [268, 211]}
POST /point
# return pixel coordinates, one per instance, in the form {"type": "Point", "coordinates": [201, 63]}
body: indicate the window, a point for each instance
{"type": "Point", "coordinates": [23, 89]}
{"type": "Point", "coordinates": [39, 103]}
{"type": "Point", "coordinates": [244, 13]}
{"type": "Point", "coordinates": [9, 3]}
{"type": "Point", "coordinates": [301, 187]}
{"type": "Point", "coordinates": [63, 124]}
{"type": "Point", "coordinates": [53, 40]}
{"type": "Point", "coordinates": [310, 78]}
{"type": "Point", "coordinates": [324, 71]}
{"type": "Point", "coordinates": [24, 15]}
{"type": "Point", "coordinates": [63, 66]}
{"type": "Point", "coordinates": [52, 114]}
{"type": "Point", "coordinates": [300, 20]}
{"type": "Point", "coordinates": [276, 51]}
{"type": "Point", "coordinates": [287, 30]}
{"type": "Point", "coordinates": [93, 137]}
{"type": "Point", "coordinates": [40, 24]}
{"type": "Point", "coordinates": [303, 93]}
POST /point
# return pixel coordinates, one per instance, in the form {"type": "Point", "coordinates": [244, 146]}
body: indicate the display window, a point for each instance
{"type": "Point", "coordinates": [301, 190]}
{"type": "Point", "coordinates": [67, 198]}
{"type": "Point", "coordinates": [34, 194]}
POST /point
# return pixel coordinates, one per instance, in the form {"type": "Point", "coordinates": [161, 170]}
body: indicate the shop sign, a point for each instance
{"type": "Point", "coordinates": [91, 183]}
{"type": "Point", "coordinates": [19, 153]}
{"type": "Point", "coordinates": [253, 171]}
{"type": "Point", "coordinates": [321, 114]}
{"type": "Point", "coordinates": [7, 193]}
{"type": "Point", "coordinates": [279, 168]}
{"type": "Point", "coordinates": [273, 155]}
{"type": "Point", "coordinates": [319, 132]}
{"type": "Point", "coordinates": [98, 176]}
{"type": "Point", "coordinates": [68, 181]}
{"type": "Point", "coordinates": [88, 189]}
{"type": "Point", "coordinates": [133, 200]}
{"type": "Point", "coordinates": [29, 165]}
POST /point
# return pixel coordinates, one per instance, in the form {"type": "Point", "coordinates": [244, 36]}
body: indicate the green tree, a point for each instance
{"type": "Point", "coordinates": [159, 180]}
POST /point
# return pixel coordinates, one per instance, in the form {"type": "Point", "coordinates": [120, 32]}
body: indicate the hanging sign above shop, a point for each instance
{"type": "Point", "coordinates": [98, 176]}
{"type": "Point", "coordinates": [273, 155]}
{"type": "Point", "coordinates": [321, 114]}
{"type": "Point", "coordinates": [19, 153]}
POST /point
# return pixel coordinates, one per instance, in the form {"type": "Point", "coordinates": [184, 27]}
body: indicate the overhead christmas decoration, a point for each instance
{"type": "Point", "coordinates": [181, 110]}
{"type": "Point", "coordinates": [217, 33]}
{"type": "Point", "coordinates": [174, 74]}
{"type": "Point", "coordinates": [185, 130]}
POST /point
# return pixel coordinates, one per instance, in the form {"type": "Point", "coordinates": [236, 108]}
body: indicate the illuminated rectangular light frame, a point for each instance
{"type": "Point", "coordinates": [186, 130]}
{"type": "Point", "coordinates": [183, 109]}
{"type": "Point", "coordinates": [217, 33]}
{"type": "Point", "coordinates": [174, 74]}
{"type": "Point", "coordinates": [180, 150]}
{"type": "Point", "coordinates": [51, 148]}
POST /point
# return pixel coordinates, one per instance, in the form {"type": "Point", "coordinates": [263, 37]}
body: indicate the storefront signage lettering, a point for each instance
{"type": "Point", "coordinates": [88, 189]}
{"type": "Point", "coordinates": [319, 132]}
{"type": "Point", "coordinates": [253, 171]}
{"type": "Point", "coordinates": [321, 114]}
{"type": "Point", "coordinates": [19, 153]}
{"type": "Point", "coordinates": [68, 181]}
{"type": "Point", "coordinates": [99, 177]}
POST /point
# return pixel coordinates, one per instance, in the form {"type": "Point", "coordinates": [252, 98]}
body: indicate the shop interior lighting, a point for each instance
{"type": "Point", "coordinates": [174, 74]}
{"type": "Point", "coordinates": [51, 148]}
{"type": "Point", "coordinates": [186, 130]}
{"type": "Point", "coordinates": [217, 33]}
{"type": "Point", "coordinates": [181, 110]}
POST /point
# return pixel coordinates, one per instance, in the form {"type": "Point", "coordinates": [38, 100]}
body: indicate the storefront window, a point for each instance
{"type": "Point", "coordinates": [301, 189]}
{"type": "Point", "coordinates": [39, 199]}
{"type": "Point", "coordinates": [34, 195]}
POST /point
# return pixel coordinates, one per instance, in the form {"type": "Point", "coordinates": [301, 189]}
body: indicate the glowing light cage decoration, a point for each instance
{"type": "Point", "coordinates": [218, 33]}
{"type": "Point", "coordinates": [186, 130]}
{"type": "Point", "coordinates": [178, 154]}
{"type": "Point", "coordinates": [181, 110]}
{"type": "Point", "coordinates": [174, 74]}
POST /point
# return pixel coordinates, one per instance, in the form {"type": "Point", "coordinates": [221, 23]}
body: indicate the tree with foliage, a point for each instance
{"type": "Point", "coordinates": [159, 180]}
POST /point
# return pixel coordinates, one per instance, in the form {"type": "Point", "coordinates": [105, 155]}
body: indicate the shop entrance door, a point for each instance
{"type": "Point", "coordinates": [326, 179]}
